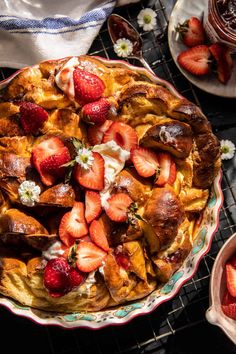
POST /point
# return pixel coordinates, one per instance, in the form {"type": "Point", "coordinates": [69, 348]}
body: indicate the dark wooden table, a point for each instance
{"type": "Point", "coordinates": [178, 326]}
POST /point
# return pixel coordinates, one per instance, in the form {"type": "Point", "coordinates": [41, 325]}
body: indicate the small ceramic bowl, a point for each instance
{"type": "Point", "coordinates": [214, 314]}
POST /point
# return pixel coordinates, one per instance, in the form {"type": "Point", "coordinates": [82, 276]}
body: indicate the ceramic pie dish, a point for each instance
{"type": "Point", "coordinates": [196, 209]}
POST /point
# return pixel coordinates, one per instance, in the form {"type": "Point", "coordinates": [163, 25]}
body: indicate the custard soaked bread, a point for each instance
{"type": "Point", "coordinates": [103, 176]}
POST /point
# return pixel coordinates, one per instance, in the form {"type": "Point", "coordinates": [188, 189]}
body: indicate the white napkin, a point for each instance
{"type": "Point", "coordinates": [35, 30]}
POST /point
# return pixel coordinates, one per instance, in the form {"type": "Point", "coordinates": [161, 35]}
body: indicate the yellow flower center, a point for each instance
{"type": "Point", "coordinates": [147, 19]}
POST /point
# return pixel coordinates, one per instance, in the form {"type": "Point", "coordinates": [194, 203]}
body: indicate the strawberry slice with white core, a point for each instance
{"type": "Point", "coordinates": [195, 60]}
{"type": "Point", "coordinates": [231, 279]}
{"type": "Point", "coordinates": [167, 169]}
{"type": "Point", "coordinates": [73, 223]}
{"type": "Point", "coordinates": [96, 133]}
{"type": "Point", "coordinates": [98, 235]}
{"type": "Point", "coordinates": [122, 134]}
{"type": "Point", "coordinates": [93, 207]}
{"type": "Point", "coordinates": [93, 177]}
{"type": "Point", "coordinates": [89, 256]}
{"type": "Point", "coordinates": [145, 161]}
{"type": "Point", "coordinates": [118, 206]}
{"type": "Point", "coordinates": [224, 61]}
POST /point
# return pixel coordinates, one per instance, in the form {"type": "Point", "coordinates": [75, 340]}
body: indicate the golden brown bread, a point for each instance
{"type": "Point", "coordinates": [157, 243]}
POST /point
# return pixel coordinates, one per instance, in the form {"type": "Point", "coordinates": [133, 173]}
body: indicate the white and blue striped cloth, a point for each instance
{"type": "Point", "coordinates": [35, 30]}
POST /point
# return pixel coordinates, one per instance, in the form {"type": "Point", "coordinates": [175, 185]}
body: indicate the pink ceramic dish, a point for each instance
{"type": "Point", "coordinates": [124, 313]}
{"type": "Point", "coordinates": [215, 314]}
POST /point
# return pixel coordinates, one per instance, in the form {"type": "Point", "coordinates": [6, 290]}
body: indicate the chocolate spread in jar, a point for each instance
{"type": "Point", "coordinates": [227, 10]}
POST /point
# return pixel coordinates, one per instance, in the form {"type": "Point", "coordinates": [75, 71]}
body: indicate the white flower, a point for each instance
{"type": "Point", "coordinates": [29, 193]}
{"type": "Point", "coordinates": [227, 149]}
{"type": "Point", "coordinates": [123, 47]}
{"type": "Point", "coordinates": [147, 19]}
{"type": "Point", "coordinates": [84, 158]}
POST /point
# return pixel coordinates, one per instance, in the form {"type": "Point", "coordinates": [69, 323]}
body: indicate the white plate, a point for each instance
{"type": "Point", "coordinates": [183, 10]}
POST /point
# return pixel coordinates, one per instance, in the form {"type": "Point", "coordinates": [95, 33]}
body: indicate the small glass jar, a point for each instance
{"type": "Point", "coordinates": [220, 22]}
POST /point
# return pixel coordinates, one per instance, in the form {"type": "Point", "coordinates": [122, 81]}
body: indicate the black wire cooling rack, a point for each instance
{"type": "Point", "coordinates": [178, 326]}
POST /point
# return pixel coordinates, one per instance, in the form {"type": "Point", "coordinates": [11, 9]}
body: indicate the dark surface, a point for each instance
{"type": "Point", "coordinates": [178, 326]}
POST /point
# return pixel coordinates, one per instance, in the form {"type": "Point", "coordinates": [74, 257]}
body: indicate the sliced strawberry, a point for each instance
{"type": "Point", "coordinates": [96, 112]}
{"type": "Point", "coordinates": [56, 277]}
{"type": "Point", "coordinates": [224, 61]}
{"type": "Point", "coordinates": [76, 277]}
{"type": "Point", "coordinates": [229, 305]}
{"type": "Point", "coordinates": [32, 117]}
{"type": "Point", "coordinates": [118, 207]}
{"type": "Point", "coordinates": [52, 165]}
{"type": "Point", "coordinates": [98, 235]}
{"type": "Point", "coordinates": [231, 279]}
{"type": "Point", "coordinates": [123, 260]}
{"type": "Point", "coordinates": [93, 177]}
{"type": "Point", "coordinates": [88, 87]}
{"type": "Point", "coordinates": [195, 60]}
{"type": "Point", "coordinates": [89, 256]}
{"type": "Point", "coordinates": [122, 134]}
{"type": "Point", "coordinates": [93, 207]}
{"type": "Point", "coordinates": [73, 224]}
{"type": "Point", "coordinates": [96, 133]}
{"type": "Point", "coordinates": [41, 152]}
{"type": "Point", "coordinates": [145, 161]}
{"type": "Point", "coordinates": [233, 261]}
{"type": "Point", "coordinates": [192, 32]}
{"type": "Point", "coordinates": [167, 169]}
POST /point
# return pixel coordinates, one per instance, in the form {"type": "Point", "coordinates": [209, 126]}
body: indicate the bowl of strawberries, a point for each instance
{"type": "Point", "coordinates": [222, 310]}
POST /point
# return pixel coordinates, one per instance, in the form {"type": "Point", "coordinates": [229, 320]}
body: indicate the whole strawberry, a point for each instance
{"type": "Point", "coordinates": [96, 112]}
{"type": "Point", "coordinates": [32, 117]}
{"type": "Point", "coordinates": [76, 277]}
{"type": "Point", "coordinates": [57, 277]}
{"type": "Point", "coordinates": [88, 87]}
{"type": "Point", "coordinates": [192, 32]}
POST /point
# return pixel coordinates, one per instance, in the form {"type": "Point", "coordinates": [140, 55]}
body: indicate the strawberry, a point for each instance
{"type": "Point", "coordinates": [96, 112]}
{"type": "Point", "coordinates": [145, 161]}
{"type": "Point", "coordinates": [229, 305]}
{"type": "Point", "coordinates": [52, 165]}
{"type": "Point", "coordinates": [192, 32]}
{"type": "Point", "coordinates": [98, 235]}
{"type": "Point", "coordinates": [224, 61]}
{"type": "Point", "coordinates": [88, 87]}
{"type": "Point", "coordinates": [233, 261]}
{"type": "Point", "coordinates": [56, 277]}
{"type": "Point", "coordinates": [231, 279]}
{"type": "Point", "coordinates": [118, 207]}
{"type": "Point", "coordinates": [123, 260]}
{"type": "Point", "coordinates": [93, 207]}
{"type": "Point", "coordinates": [76, 277]}
{"type": "Point", "coordinates": [195, 60]}
{"type": "Point", "coordinates": [73, 225]}
{"type": "Point", "coordinates": [167, 169]}
{"type": "Point", "coordinates": [96, 133]}
{"type": "Point", "coordinates": [93, 177]}
{"type": "Point", "coordinates": [122, 134]}
{"type": "Point", "coordinates": [40, 152]}
{"type": "Point", "coordinates": [89, 256]}
{"type": "Point", "coordinates": [32, 117]}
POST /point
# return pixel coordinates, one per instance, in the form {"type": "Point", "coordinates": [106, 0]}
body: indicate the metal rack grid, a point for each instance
{"type": "Point", "coordinates": [157, 332]}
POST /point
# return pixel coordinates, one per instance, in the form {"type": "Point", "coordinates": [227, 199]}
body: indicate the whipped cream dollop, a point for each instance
{"type": "Point", "coordinates": [55, 250]}
{"type": "Point", "coordinates": [64, 78]}
{"type": "Point", "coordinates": [114, 158]}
